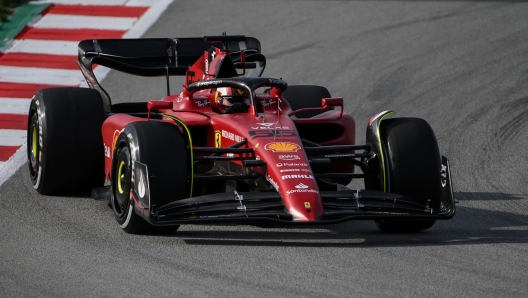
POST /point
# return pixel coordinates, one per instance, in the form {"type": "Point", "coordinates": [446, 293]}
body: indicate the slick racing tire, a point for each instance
{"type": "Point", "coordinates": [64, 142]}
{"type": "Point", "coordinates": [306, 96]}
{"type": "Point", "coordinates": [159, 146]}
{"type": "Point", "coordinates": [414, 165]}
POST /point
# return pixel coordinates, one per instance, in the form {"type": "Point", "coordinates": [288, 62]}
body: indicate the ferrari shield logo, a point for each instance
{"type": "Point", "coordinates": [307, 205]}
{"type": "Point", "coordinates": [218, 139]}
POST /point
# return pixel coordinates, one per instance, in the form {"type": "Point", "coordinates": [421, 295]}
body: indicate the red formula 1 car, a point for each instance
{"type": "Point", "coordinates": [232, 147]}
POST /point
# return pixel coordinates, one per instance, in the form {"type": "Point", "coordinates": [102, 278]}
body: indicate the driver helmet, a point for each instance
{"type": "Point", "coordinates": [230, 100]}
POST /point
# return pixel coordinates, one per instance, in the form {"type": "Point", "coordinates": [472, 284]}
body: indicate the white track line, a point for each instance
{"type": "Point", "coordinates": [12, 137]}
{"type": "Point", "coordinates": [147, 19]}
{"type": "Point", "coordinates": [14, 105]}
{"type": "Point", "coordinates": [13, 164]}
{"type": "Point", "coordinates": [58, 21]}
{"type": "Point", "coordinates": [51, 47]}
{"type": "Point", "coordinates": [13, 74]}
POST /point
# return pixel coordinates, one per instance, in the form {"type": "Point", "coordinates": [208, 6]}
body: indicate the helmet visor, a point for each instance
{"type": "Point", "coordinates": [229, 101]}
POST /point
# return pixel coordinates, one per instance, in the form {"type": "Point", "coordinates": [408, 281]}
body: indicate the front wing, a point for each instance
{"type": "Point", "coordinates": [262, 207]}
{"type": "Point", "coordinates": [267, 207]}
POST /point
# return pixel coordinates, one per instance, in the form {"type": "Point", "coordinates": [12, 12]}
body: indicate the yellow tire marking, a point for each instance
{"type": "Point", "coordinates": [34, 143]}
{"type": "Point", "coordinates": [119, 186]}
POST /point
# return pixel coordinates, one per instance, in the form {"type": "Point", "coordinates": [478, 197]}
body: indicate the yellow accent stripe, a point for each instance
{"type": "Point", "coordinates": [381, 151]}
{"type": "Point", "coordinates": [190, 148]}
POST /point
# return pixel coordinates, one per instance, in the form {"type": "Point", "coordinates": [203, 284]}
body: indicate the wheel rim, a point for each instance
{"type": "Point", "coordinates": [122, 177]}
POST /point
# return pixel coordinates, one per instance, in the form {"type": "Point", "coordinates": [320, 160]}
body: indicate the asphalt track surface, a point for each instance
{"type": "Point", "coordinates": [461, 65]}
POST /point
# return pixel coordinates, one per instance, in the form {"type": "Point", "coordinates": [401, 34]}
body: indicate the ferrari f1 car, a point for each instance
{"type": "Point", "coordinates": [231, 147]}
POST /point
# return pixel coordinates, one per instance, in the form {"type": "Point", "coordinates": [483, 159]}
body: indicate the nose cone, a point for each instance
{"type": "Point", "coordinates": [298, 189]}
{"type": "Point", "coordinates": [288, 167]}
{"type": "Point", "coordinates": [304, 203]}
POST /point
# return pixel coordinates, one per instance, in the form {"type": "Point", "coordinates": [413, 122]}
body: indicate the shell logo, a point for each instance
{"type": "Point", "coordinates": [282, 147]}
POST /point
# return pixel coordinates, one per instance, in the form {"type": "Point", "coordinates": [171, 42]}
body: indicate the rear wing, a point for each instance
{"type": "Point", "coordinates": [149, 57]}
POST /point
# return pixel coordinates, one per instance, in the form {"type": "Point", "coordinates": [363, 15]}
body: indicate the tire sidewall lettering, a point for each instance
{"type": "Point", "coordinates": [40, 143]}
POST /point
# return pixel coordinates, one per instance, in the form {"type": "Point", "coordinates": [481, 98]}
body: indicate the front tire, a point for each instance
{"type": "Point", "coordinates": [161, 147]}
{"type": "Point", "coordinates": [414, 165]}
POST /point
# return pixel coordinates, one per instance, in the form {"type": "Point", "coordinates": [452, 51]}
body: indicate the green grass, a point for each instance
{"type": "Point", "coordinates": [7, 7]}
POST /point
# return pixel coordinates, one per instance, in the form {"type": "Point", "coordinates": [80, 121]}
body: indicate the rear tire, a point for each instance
{"type": "Point", "coordinates": [64, 142]}
{"type": "Point", "coordinates": [414, 165]}
{"type": "Point", "coordinates": [161, 147]}
{"type": "Point", "coordinates": [306, 96]}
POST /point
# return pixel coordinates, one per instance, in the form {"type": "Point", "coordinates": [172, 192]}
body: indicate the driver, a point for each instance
{"type": "Point", "coordinates": [230, 100]}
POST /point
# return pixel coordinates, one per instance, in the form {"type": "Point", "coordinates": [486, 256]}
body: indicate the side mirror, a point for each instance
{"type": "Point", "coordinates": [325, 103]}
{"type": "Point", "coordinates": [332, 102]}
{"type": "Point", "coordinates": [157, 105]}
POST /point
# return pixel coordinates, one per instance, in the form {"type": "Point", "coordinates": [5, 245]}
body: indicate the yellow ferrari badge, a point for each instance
{"type": "Point", "coordinates": [218, 139]}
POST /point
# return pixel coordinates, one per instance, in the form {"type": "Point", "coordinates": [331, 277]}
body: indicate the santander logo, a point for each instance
{"type": "Point", "coordinates": [300, 185]}
{"type": "Point", "coordinates": [301, 188]}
